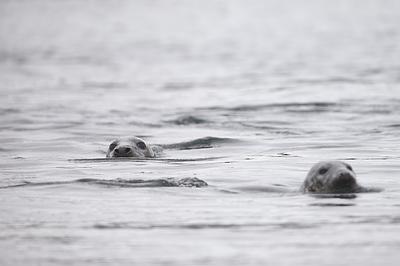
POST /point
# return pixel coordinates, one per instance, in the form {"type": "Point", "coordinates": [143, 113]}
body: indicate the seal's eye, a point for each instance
{"type": "Point", "coordinates": [112, 146]}
{"type": "Point", "coordinates": [141, 145]}
{"type": "Point", "coordinates": [323, 170]}
{"type": "Point", "coordinates": [349, 167]}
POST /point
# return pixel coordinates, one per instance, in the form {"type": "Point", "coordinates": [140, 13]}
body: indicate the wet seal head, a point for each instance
{"type": "Point", "coordinates": [331, 177]}
{"type": "Point", "coordinates": [130, 147]}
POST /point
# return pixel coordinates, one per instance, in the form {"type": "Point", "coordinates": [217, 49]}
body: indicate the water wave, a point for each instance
{"type": "Point", "coordinates": [136, 159]}
{"type": "Point", "coordinates": [131, 183]}
{"type": "Point", "coordinates": [188, 120]}
{"type": "Point", "coordinates": [200, 226]}
{"type": "Point", "coordinates": [201, 143]}
{"type": "Point", "coordinates": [316, 106]}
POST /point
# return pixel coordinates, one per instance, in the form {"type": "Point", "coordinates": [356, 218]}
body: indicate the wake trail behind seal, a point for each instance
{"type": "Point", "coordinates": [201, 143]}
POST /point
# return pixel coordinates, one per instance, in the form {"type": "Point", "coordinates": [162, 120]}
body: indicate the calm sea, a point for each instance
{"type": "Point", "coordinates": [265, 89]}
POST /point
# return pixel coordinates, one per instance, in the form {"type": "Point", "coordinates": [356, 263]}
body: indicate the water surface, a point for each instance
{"type": "Point", "coordinates": [272, 86]}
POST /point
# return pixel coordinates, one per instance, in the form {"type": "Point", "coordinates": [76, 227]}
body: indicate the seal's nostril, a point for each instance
{"type": "Point", "coordinates": [127, 150]}
{"type": "Point", "coordinates": [344, 180]}
{"type": "Point", "coordinates": [345, 175]}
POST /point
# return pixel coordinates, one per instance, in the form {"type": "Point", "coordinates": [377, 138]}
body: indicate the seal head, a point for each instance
{"type": "Point", "coordinates": [331, 177]}
{"type": "Point", "coordinates": [130, 147]}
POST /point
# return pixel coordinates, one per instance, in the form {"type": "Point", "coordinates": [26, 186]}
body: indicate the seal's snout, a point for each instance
{"type": "Point", "coordinates": [123, 151]}
{"type": "Point", "coordinates": [344, 179]}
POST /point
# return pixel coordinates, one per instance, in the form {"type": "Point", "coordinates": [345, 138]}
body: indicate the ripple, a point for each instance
{"type": "Point", "coordinates": [200, 143]}
{"type": "Point", "coordinates": [133, 159]}
{"type": "Point", "coordinates": [105, 85]}
{"type": "Point", "coordinates": [6, 111]}
{"type": "Point", "coordinates": [310, 106]}
{"type": "Point", "coordinates": [188, 120]}
{"type": "Point", "coordinates": [202, 226]}
{"type": "Point", "coordinates": [131, 183]}
{"type": "Point", "coordinates": [332, 204]}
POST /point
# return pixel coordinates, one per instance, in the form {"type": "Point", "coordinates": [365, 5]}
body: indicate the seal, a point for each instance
{"type": "Point", "coordinates": [131, 147]}
{"type": "Point", "coordinates": [331, 177]}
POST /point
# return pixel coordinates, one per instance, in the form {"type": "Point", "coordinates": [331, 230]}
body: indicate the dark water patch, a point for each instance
{"type": "Point", "coordinates": [85, 60]}
{"type": "Point", "coordinates": [332, 146]}
{"type": "Point", "coordinates": [382, 158]}
{"type": "Point", "coordinates": [64, 239]}
{"type": "Point", "coordinates": [371, 219]}
{"type": "Point", "coordinates": [126, 183]}
{"type": "Point", "coordinates": [284, 154]}
{"type": "Point", "coordinates": [228, 191]}
{"type": "Point", "coordinates": [52, 239]}
{"type": "Point", "coordinates": [37, 126]}
{"type": "Point", "coordinates": [203, 226]}
{"type": "Point", "coordinates": [329, 204]}
{"type": "Point", "coordinates": [23, 121]}
{"type": "Point", "coordinates": [188, 120]}
{"type": "Point", "coordinates": [120, 113]}
{"type": "Point", "coordinates": [377, 111]}
{"type": "Point", "coordinates": [371, 72]}
{"type": "Point", "coordinates": [107, 123]}
{"type": "Point", "coordinates": [370, 190]}
{"type": "Point", "coordinates": [142, 124]}
{"type": "Point", "coordinates": [312, 106]}
{"type": "Point", "coordinates": [201, 143]}
{"type": "Point", "coordinates": [266, 189]}
{"type": "Point", "coordinates": [216, 81]}
{"type": "Point", "coordinates": [104, 85]}
{"type": "Point", "coordinates": [257, 126]}
{"type": "Point", "coordinates": [269, 128]}
{"type": "Point", "coordinates": [334, 196]}
{"type": "Point", "coordinates": [332, 80]}
{"type": "Point", "coordinates": [134, 159]}
{"type": "Point", "coordinates": [178, 85]}
{"type": "Point", "coordinates": [287, 133]}
{"type": "Point", "coordinates": [309, 106]}
{"type": "Point", "coordinates": [8, 111]}
{"type": "Point", "coordinates": [115, 123]}
{"type": "Point", "coordinates": [277, 123]}
{"type": "Point", "coordinates": [278, 89]}
{"type": "Point", "coordinates": [388, 107]}
{"type": "Point", "coordinates": [393, 125]}
{"type": "Point", "coordinates": [26, 56]}
{"type": "Point", "coordinates": [143, 136]}
{"type": "Point", "coordinates": [16, 58]}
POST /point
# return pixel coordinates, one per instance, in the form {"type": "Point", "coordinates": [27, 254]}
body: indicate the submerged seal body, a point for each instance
{"type": "Point", "coordinates": [131, 147]}
{"type": "Point", "coordinates": [331, 177]}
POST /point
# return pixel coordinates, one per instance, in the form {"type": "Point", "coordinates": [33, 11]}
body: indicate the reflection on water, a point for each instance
{"type": "Point", "coordinates": [243, 96]}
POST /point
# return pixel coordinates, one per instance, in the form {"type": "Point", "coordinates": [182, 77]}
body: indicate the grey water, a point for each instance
{"type": "Point", "coordinates": [261, 90]}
